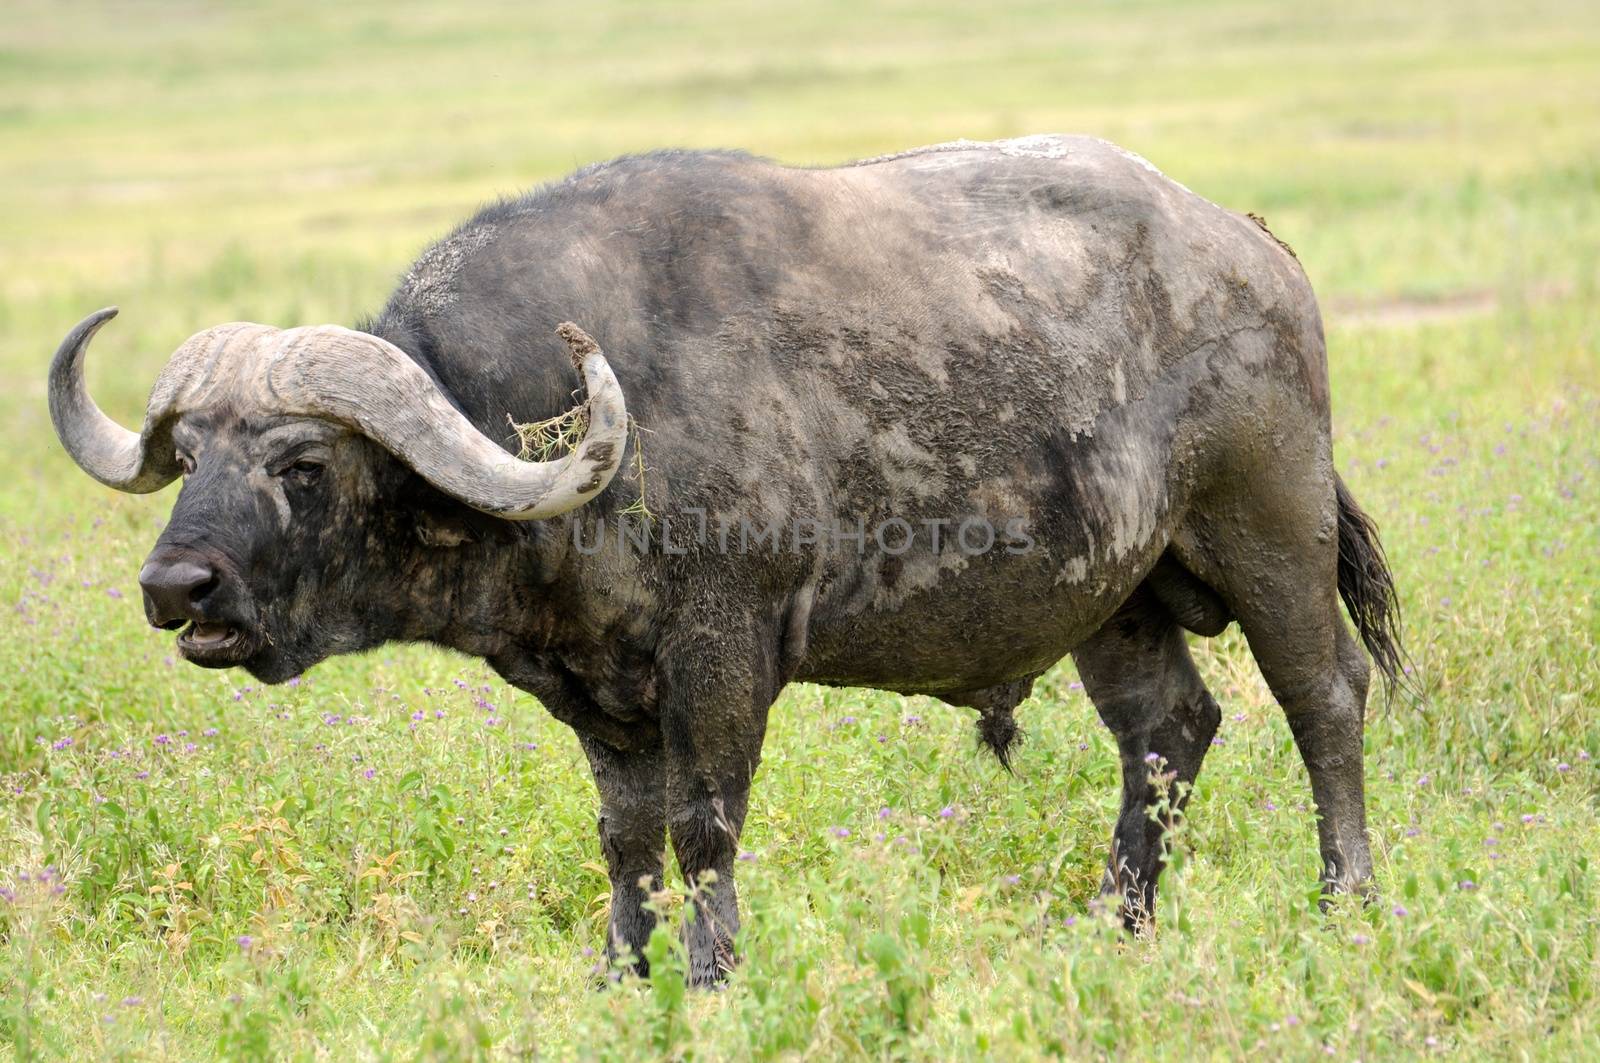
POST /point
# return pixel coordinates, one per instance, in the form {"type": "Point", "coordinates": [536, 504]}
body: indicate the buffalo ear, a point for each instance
{"type": "Point", "coordinates": [444, 529]}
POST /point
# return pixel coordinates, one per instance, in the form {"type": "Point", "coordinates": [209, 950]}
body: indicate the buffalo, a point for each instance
{"type": "Point", "coordinates": [926, 422]}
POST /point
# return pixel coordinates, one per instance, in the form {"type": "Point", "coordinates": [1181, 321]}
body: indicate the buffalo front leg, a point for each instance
{"type": "Point", "coordinates": [633, 828]}
{"type": "Point", "coordinates": [713, 718]}
{"type": "Point", "coordinates": [1138, 672]}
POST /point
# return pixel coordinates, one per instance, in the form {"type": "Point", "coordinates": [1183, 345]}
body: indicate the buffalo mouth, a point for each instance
{"type": "Point", "coordinates": [213, 643]}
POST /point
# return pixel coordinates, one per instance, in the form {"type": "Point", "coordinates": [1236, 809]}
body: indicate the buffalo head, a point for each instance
{"type": "Point", "coordinates": [294, 445]}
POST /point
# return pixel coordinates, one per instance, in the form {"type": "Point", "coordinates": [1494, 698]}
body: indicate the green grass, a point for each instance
{"type": "Point", "coordinates": [435, 890]}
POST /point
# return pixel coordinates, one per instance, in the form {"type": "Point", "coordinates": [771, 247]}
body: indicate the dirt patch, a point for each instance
{"type": "Point", "coordinates": [1450, 306]}
{"type": "Point", "coordinates": [1411, 310]}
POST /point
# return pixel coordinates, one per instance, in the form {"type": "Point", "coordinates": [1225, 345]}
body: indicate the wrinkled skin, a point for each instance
{"type": "Point", "coordinates": [1044, 330]}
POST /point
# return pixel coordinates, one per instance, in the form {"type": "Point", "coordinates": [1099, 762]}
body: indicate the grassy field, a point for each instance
{"type": "Point", "coordinates": [358, 867]}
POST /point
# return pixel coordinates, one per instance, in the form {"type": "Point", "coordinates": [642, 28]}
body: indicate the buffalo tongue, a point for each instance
{"type": "Point", "coordinates": [204, 634]}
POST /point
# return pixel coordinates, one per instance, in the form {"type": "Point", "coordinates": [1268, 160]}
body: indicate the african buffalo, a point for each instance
{"type": "Point", "coordinates": [1090, 408]}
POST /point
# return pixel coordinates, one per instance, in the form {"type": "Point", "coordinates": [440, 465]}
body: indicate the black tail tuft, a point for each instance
{"type": "Point", "coordinates": [1367, 587]}
{"type": "Point", "coordinates": [999, 731]}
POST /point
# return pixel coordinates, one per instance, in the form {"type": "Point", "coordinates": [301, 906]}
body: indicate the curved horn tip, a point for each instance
{"type": "Point", "coordinates": [580, 342]}
{"type": "Point", "coordinates": [102, 448]}
{"type": "Point", "coordinates": [89, 325]}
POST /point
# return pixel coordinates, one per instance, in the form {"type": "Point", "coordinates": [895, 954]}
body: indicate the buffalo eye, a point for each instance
{"type": "Point", "coordinates": [304, 472]}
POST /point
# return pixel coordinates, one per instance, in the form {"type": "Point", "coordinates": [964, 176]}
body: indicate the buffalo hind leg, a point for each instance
{"type": "Point", "coordinates": [1138, 672]}
{"type": "Point", "coordinates": [633, 835]}
{"type": "Point", "coordinates": [1327, 721]}
{"type": "Point", "coordinates": [1275, 562]}
{"type": "Point", "coordinates": [1319, 676]}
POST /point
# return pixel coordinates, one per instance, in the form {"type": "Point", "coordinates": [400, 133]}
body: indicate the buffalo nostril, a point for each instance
{"type": "Point", "coordinates": [173, 591]}
{"type": "Point", "coordinates": [200, 592]}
